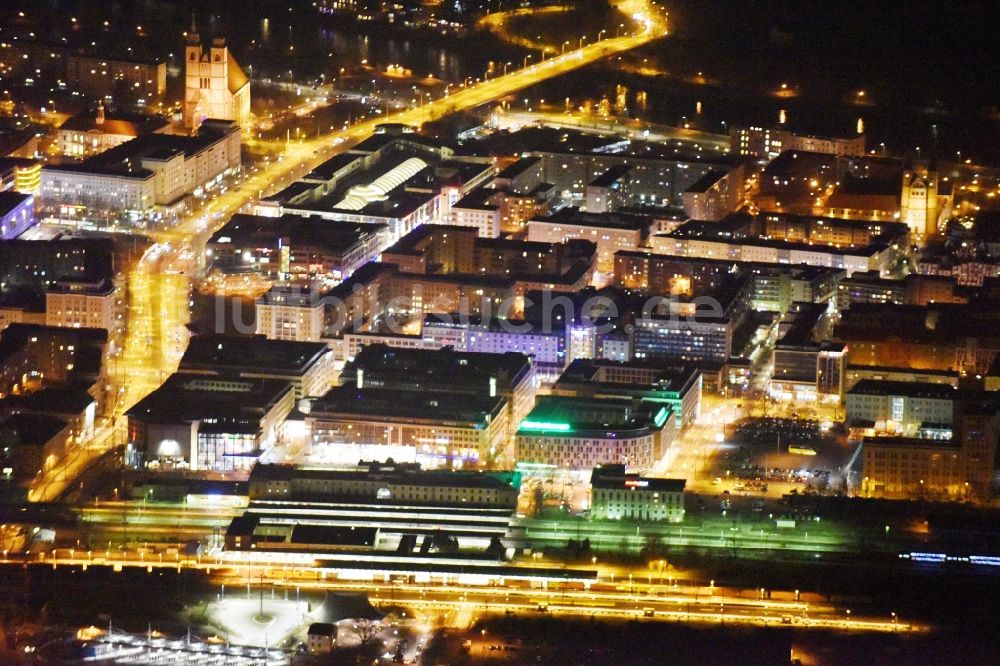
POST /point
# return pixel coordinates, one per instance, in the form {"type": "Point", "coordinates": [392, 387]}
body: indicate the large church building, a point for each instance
{"type": "Point", "coordinates": [215, 86]}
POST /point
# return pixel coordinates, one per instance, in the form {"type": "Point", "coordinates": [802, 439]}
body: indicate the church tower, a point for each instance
{"type": "Point", "coordinates": [920, 200]}
{"type": "Point", "coordinates": [215, 86]}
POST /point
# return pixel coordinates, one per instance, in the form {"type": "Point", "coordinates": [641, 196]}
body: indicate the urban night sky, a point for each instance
{"type": "Point", "coordinates": [456, 332]}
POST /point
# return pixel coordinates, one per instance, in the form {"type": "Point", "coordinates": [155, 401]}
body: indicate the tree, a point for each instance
{"type": "Point", "coordinates": [366, 629]}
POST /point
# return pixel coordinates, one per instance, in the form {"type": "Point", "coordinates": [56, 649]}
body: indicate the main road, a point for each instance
{"type": "Point", "coordinates": [155, 329]}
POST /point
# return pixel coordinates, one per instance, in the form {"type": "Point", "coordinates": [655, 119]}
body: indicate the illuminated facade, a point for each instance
{"type": "Point", "coordinates": [436, 429]}
{"type": "Point", "coordinates": [578, 434]}
{"type": "Point", "coordinates": [616, 495]}
{"type": "Point", "coordinates": [216, 87]}
{"type": "Point", "coordinates": [81, 304]}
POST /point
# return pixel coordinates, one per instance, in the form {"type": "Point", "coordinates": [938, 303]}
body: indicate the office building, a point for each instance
{"type": "Point", "coordinates": [509, 375]}
{"type": "Point", "coordinates": [437, 429]}
{"type": "Point", "coordinates": [678, 387]}
{"type": "Point", "coordinates": [292, 248]}
{"type": "Point", "coordinates": [142, 180]}
{"type": "Point", "coordinates": [902, 408]}
{"type": "Point", "coordinates": [618, 495]}
{"type": "Point", "coordinates": [202, 422]}
{"type": "Point", "coordinates": [579, 434]}
{"type": "Point", "coordinates": [17, 214]}
{"type": "Point", "coordinates": [308, 366]}
{"type": "Point", "coordinates": [806, 365]}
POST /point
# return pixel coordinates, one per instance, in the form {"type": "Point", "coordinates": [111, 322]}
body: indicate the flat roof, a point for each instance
{"type": "Point", "coordinates": [565, 416]}
{"type": "Point", "coordinates": [9, 200]}
{"type": "Point", "coordinates": [517, 168]}
{"type": "Point", "coordinates": [436, 367]}
{"type": "Point", "coordinates": [615, 477]}
{"type": "Point", "coordinates": [347, 402]}
{"type": "Point", "coordinates": [402, 475]}
{"type": "Point", "coordinates": [333, 235]}
{"type": "Point", "coordinates": [186, 397]}
{"type": "Point", "coordinates": [252, 354]}
{"type": "Point", "coordinates": [574, 216]}
{"type": "Point", "coordinates": [879, 387]}
{"type": "Point", "coordinates": [705, 183]}
{"type": "Point", "coordinates": [126, 159]}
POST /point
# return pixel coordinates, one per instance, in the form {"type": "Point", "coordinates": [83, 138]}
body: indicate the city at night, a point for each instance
{"type": "Point", "coordinates": [473, 332]}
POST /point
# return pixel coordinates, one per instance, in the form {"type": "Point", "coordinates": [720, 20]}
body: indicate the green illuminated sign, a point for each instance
{"type": "Point", "coordinates": [661, 417]}
{"type": "Point", "coordinates": [544, 425]}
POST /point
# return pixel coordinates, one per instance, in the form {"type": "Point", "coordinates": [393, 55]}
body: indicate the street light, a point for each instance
{"type": "Point", "coordinates": [564, 44]}
{"type": "Point", "coordinates": [526, 59]}
{"type": "Point", "coordinates": [582, 40]}
{"type": "Point", "coordinates": [600, 35]}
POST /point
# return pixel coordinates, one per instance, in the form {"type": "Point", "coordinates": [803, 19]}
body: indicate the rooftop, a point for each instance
{"type": "Point", "coordinates": [907, 389]}
{"type": "Point", "coordinates": [574, 216]}
{"type": "Point", "coordinates": [251, 354]}
{"type": "Point", "coordinates": [387, 473]}
{"type": "Point", "coordinates": [185, 397]}
{"type": "Point", "coordinates": [255, 230]}
{"type": "Point", "coordinates": [615, 477]}
{"type": "Point", "coordinates": [427, 368]}
{"type": "Point", "coordinates": [436, 406]}
{"type": "Point", "coordinates": [569, 416]}
{"type": "Point", "coordinates": [126, 159]}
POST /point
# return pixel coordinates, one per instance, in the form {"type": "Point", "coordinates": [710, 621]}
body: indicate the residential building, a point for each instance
{"type": "Point", "coordinates": [715, 195]}
{"type": "Point", "coordinates": [81, 304]}
{"type": "Point", "coordinates": [290, 313]}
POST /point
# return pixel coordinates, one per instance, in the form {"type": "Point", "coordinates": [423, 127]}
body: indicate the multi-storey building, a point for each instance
{"type": "Point", "coordinates": [199, 422]}
{"type": "Point", "coordinates": [290, 313]}
{"type": "Point", "coordinates": [715, 195]}
{"type": "Point", "coordinates": [434, 428]}
{"type": "Point", "coordinates": [545, 345]}
{"type": "Point", "coordinates": [581, 433]}
{"type": "Point", "coordinates": [807, 366]}
{"type": "Point", "coordinates": [610, 232]}
{"type": "Point", "coordinates": [81, 304]}
{"type": "Point", "coordinates": [509, 375]}
{"type": "Point", "coordinates": [295, 248]}
{"type": "Point", "coordinates": [143, 179]}
{"type": "Point", "coordinates": [308, 366]}
{"type": "Point", "coordinates": [903, 408]}
{"type": "Point", "coordinates": [84, 134]}
{"type": "Point", "coordinates": [17, 214]}
{"type": "Point", "coordinates": [143, 81]}
{"type": "Point", "coordinates": [678, 387]}
{"type": "Point", "coordinates": [768, 143]}
{"type": "Point", "coordinates": [617, 495]}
